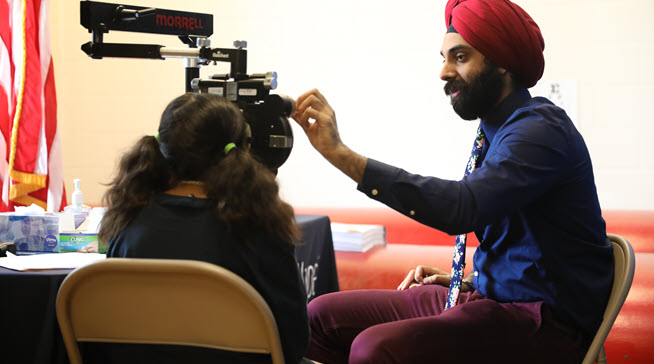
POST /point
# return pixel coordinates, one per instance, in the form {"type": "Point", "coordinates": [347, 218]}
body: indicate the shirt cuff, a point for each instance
{"type": "Point", "coordinates": [377, 179]}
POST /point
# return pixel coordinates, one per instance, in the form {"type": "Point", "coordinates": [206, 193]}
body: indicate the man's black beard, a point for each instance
{"type": "Point", "coordinates": [479, 96]}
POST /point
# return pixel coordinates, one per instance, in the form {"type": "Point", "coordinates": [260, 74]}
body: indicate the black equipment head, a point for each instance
{"type": "Point", "coordinates": [267, 114]}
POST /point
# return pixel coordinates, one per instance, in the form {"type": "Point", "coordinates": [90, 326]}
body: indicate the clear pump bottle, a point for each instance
{"type": "Point", "coordinates": [77, 206]}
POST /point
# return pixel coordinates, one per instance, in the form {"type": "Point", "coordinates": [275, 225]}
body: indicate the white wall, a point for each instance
{"type": "Point", "coordinates": [377, 62]}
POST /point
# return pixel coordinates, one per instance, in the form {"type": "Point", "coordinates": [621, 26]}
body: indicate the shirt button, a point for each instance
{"type": "Point", "coordinates": [375, 192]}
{"type": "Point", "coordinates": [412, 212]}
{"type": "Point", "coordinates": [476, 274]}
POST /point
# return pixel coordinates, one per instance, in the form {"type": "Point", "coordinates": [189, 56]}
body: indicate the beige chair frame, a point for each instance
{"type": "Point", "coordinates": [167, 302]}
{"type": "Point", "coordinates": [625, 265]}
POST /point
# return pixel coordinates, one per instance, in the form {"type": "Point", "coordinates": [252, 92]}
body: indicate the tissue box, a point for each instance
{"type": "Point", "coordinates": [30, 233]}
{"type": "Point", "coordinates": [72, 241]}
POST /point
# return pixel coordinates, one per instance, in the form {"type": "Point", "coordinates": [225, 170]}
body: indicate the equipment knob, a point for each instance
{"type": "Point", "coordinates": [202, 42]}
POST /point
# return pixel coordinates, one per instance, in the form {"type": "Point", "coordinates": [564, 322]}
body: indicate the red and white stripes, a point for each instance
{"type": "Point", "coordinates": [30, 147]}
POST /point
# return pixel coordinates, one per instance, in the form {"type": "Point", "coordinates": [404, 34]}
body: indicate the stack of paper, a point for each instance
{"type": "Point", "coordinates": [49, 261]}
{"type": "Point", "coordinates": [357, 238]}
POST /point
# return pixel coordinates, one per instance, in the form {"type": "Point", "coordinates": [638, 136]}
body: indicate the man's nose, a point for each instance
{"type": "Point", "coordinates": [447, 72]}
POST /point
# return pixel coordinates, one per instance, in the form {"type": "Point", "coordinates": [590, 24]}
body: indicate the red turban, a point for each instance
{"type": "Point", "coordinates": [502, 32]}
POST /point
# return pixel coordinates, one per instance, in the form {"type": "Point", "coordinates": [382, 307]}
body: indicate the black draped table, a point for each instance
{"type": "Point", "coordinates": [315, 255]}
{"type": "Point", "coordinates": [29, 332]}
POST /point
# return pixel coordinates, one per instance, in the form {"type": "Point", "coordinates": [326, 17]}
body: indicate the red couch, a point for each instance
{"type": "Point", "coordinates": [410, 243]}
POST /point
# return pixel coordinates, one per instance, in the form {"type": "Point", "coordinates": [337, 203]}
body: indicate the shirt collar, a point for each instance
{"type": "Point", "coordinates": [503, 111]}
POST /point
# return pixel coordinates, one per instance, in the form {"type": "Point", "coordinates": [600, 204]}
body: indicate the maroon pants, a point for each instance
{"type": "Point", "coordinates": [387, 326]}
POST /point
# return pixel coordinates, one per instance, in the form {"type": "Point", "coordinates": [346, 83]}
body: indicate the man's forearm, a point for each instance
{"type": "Point", "coordinates": [348, 162]}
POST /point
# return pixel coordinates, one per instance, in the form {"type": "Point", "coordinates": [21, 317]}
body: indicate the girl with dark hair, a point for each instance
{"type": "Point", "coordinates": [196, 192]}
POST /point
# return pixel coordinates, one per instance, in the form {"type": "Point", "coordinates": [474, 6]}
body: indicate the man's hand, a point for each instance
{"type": "Point", "coordinates": [425, 275]}
{"type": "Point", "coordinates": [429, 275]}
{"type": "Point", "coordinates": [323, 134]}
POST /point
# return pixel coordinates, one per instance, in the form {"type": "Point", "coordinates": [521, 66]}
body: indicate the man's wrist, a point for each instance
{"type": "Point", "coordinates": [347, 161]}
{"type": "Point", "coordinates": [468, 285]}
{"type": "Point", "coordinates": [337, 154]}
{"type": "Point", "coordinates": [468, 281]}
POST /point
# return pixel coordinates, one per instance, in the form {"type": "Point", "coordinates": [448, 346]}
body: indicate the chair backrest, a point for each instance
{"type": "Point", "coordinates": [625, 265]}
{"type": "Point", "coordinates": [168, 302]}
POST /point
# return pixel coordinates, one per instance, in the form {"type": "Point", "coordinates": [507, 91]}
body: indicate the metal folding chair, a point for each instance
{"type": "Point", "coordinates": [166, 302]}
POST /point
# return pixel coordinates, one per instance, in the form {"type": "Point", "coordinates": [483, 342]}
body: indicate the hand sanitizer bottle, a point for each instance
{"type": "Point", "coordinates": [77, 207]}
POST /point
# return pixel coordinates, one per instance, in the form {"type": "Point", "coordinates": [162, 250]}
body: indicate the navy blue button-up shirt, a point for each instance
{"type": "Point", "coordinates": [533, 205]}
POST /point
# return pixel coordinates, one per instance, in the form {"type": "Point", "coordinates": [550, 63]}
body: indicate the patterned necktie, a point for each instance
{"type": "Point", "coordinates": [459, 260]}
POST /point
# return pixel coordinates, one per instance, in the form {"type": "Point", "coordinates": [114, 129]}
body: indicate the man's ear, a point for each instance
{"type": "Point", "coordinates": [515, 79]}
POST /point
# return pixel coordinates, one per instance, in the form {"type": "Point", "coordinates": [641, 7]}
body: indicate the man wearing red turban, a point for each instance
{"type": "Point", "coordinates": [502, 32]}
{"type": "Point", "coordinates": [543, 270]}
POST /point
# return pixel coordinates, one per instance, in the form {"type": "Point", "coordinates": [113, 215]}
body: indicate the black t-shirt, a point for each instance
{"type": "Point", "coordinates": [176, 227]}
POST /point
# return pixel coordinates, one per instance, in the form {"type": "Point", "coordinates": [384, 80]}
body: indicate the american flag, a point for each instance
{"type": "Point", "coordinates": [31, 167]}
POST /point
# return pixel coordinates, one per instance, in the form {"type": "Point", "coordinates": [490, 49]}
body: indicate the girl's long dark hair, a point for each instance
{"type": "Point", "coordinates": [194, 130]}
